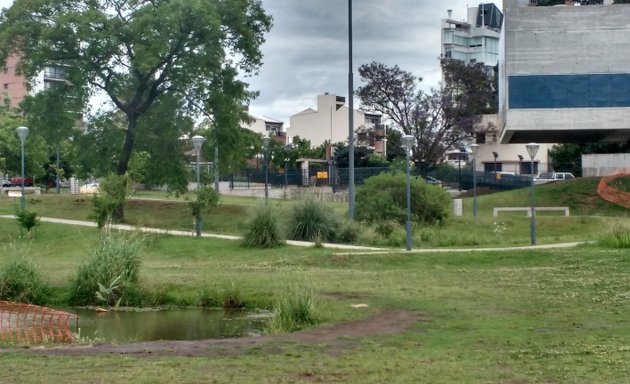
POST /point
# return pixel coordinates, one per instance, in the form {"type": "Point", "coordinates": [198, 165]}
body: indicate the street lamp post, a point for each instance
{"type": "Point", "coordinates": [198, 142]}
{"type": "Point", "coordinates": [22, 132]}
{"type": "Point", "coordinates": [532, 149]}
{"type": "Point", "coordinates": [474, 148]}
{"type": "Point", "coordinates": [520, 164]}
{"type": "Point", "coordinates": [407, 142]}
{"type": "Point", "coordinates": [266, 141]}
{"type": "Point", "coordinates": [287, 149]}
{"type": "Point", "coordinates": [496, 156]}
{"type": "Point", "coordinates": [460, 152]}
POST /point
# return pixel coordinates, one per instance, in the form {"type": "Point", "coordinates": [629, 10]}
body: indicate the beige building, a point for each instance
{"type": "Point", "coordinates": [509, 157]}
{"type": "Point", "coordinates": [268, 126]}
{"type": "Point", "coordinates": [329, 123]}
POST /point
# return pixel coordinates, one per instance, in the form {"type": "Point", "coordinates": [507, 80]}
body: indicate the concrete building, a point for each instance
{"type": "Point", "coordinates": [605, 164]}
{"type": "Point", "coordinates": [509, 157]}
{"type": "Point", "coordinates": [475, 40]}
{"type": "Point", "coordinates": [268, 126]}
{"type": "Point", "coordinates": [329, 123]}
{"type": "Point", "coordinates": [564, 73]}
{"type": "Point", "coordinates": [16, 87]}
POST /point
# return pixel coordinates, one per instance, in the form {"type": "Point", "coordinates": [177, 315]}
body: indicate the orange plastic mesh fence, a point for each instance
{"type": "Point", "coordinates": [612, 194]}
{"type": "Point", "coordinates": [32, 324]}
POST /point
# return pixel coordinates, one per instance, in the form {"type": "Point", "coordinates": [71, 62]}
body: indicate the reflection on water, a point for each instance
{"type": "Point", "coordinates": [168, 324]}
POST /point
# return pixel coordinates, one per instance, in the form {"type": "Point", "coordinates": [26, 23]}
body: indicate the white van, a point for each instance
{"type": "Point", "coordinates": [551, 176]}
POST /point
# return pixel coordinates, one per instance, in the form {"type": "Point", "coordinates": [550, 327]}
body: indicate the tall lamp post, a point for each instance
{"type": "Point", "coordinates": [532, 149]}
{"type": "Point", "coordinates": [460, 152]}
{"type": "Point", "coordinates": [350, 119]}
{"type": "Point", "coordinates": [474, 148]}
{"type": "Point", "coordinates": [287, 149]}
{"type": "Point", "coordinates": [266, 141]}
{"type": "Point", "coordinates": [198, 142]}
{"type": "Point", "coordinates": [22, 132]}
{"type": "Point", "coordinates": [407, 142]}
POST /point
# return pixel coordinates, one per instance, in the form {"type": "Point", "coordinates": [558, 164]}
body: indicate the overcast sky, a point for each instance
{"type": "Point", "coordinates": [306, 52]}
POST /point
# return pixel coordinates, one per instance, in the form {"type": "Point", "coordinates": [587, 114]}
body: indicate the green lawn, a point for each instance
{"type": "Point", "coordinates": [553, 316]}
{"type": "Point", "coordinates": [528, 316]}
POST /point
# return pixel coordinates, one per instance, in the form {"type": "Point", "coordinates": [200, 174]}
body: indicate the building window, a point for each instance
{"type": "Point", "coordinates": [6, 85]}
{"type": "Point", "coordinates": [55, 72]}
{"type": "Point", "coordinates": [480, 137]}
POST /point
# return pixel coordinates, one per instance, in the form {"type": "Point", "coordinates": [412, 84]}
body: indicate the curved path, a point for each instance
{"type": "Point", "coordinates": [352, 249]}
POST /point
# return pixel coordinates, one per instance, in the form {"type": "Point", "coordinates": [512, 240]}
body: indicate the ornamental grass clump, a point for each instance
{"type": "Point", "coordinates": [21, 281]}
{"type": "Point", "coordinates": [312, 221]}
{"type": "Point", "coordinates": [293, 312]}
{"type": "Point", "coordinates": [111, 270]}
{"type": "Point", "coordinates": [263, 229]}
{"type": "Point", "coordinates": [618, 237]}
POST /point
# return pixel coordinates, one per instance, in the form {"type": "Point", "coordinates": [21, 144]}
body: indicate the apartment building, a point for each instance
{"type": "Point", "coordinates": [328, 122]}
{"type": "Point", "coordinates": [475, 39]}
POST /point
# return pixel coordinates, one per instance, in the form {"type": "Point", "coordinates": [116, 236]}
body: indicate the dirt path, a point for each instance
{"type": "Point", "coordinates": [338, 337]}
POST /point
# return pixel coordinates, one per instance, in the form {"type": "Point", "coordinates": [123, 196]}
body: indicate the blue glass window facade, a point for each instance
{"type": "Point", "coordinates": [569, 91]}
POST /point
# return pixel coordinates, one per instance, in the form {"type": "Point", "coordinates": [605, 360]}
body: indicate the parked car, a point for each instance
{"type": "Point", "coordinates": [17, 181]}
{"type": "Point", "coordinates": [555, 176]}
{"type": "Point", "coordinates": [5, 183]}
{"type": "Point", "coordinates": [89, 188]}
{"type": "Point", "coordinates": [432, 180]}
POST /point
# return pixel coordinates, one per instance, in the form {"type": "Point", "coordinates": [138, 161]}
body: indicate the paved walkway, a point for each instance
{"type": "Point", "coordinates": [356, 249]}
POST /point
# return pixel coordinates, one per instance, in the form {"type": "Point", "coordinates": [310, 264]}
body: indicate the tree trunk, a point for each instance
{"type": "Point", "coordinates": [118, 215]}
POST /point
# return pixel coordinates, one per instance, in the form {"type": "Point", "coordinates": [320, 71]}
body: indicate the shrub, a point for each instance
{"type": "Point", "coordinates": [618, 237]}
{"type": "Point", "coordinates": [110, 201]}
{"type": "Point", "coordinates": [349, 231]}
{"type": "Point", "coordinates": [27, 220]}
{"type": "Point", "coordinates": [263, 229]}
{"type": "Point", "coordinates": [20, 281]}
{"type": "Point", "coordinates": [295, 311]}
{"type": "Point", "coordinates": [206, 199]}
{"type": "Point", "coordinates": [384, 197]}
{"type": "Point", "coordinates": [312, 221]}
{"type": "Point", "coordinates": [111, 270]}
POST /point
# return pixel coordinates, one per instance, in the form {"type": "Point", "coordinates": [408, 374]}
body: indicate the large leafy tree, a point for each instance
{"type": "Point", "coordinates": [438, 119]}
{"type": "Point", "coordinates": [52, 115]}
{"type": "Point", "coordinates": [35, 150]}
{"type": "Point", "coordinates": [136, 52]}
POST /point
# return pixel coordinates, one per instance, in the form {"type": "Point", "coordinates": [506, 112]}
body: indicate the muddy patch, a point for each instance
{"type": "Point", "coordinates": [338, 337]}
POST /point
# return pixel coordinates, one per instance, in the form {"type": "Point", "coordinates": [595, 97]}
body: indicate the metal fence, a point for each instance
{"type": "Point", "coordinates": [337, 178]}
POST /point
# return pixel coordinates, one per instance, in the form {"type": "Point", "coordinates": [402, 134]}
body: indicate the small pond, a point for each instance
{"type": "Point", "coordinates": [168, 324]}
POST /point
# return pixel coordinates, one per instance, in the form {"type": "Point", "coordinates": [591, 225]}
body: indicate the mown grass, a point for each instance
{"type": "Point", "coordinates": [230, 217]}
{"type": "Point", "coordinates": [555, 316]}
{"type": "Point", "coordinates": [529, 316]}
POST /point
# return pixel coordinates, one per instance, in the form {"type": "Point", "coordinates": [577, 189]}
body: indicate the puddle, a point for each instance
{"type": "Point", "coordinates": [168, 324]}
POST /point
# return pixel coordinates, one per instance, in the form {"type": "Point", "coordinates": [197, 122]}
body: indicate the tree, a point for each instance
{"type": "Point", "coordinates": [568, 157]}
{"type": "Point", "coordinates": [52, 115]}
{"type": "Point", "coordinates": [137, 52]}
{"type": "Point", "coordinates": [439, 119]}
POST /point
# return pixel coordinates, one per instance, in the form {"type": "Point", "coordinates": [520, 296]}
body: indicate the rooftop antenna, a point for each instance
{"type": "Point", "coordinates": [450, 13]}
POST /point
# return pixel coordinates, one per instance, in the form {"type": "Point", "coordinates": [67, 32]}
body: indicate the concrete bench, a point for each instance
{"type": "Point", "coordinates": [12, 191]}
{"type": "Point", "coordinates": [528, 210]}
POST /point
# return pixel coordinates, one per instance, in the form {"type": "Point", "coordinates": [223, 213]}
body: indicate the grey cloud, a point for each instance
{"type": "Point", "coordinates": [306, 53]}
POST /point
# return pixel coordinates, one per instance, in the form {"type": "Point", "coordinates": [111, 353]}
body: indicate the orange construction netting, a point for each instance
{"type": "Point", "coordinates": [31, 324]}
{"type": "Point", "coordinates": [612, 194]}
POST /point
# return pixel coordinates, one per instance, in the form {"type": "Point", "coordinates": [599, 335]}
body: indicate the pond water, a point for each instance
{"type": "Point", "coordinates": [168, 324]}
